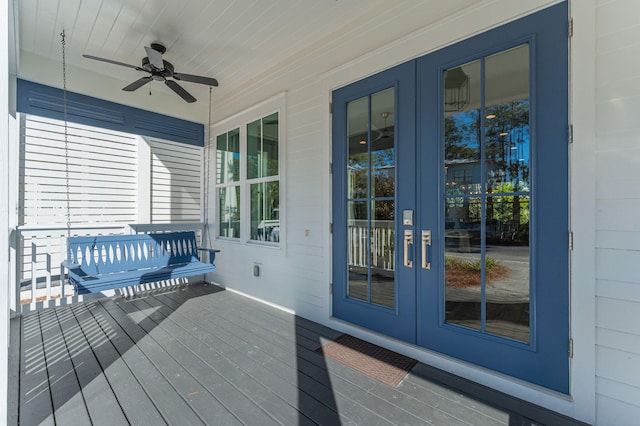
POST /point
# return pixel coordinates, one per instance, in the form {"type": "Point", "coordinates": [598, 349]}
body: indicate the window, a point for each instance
{"type": "Point", "coordinates": [248, 174]}
{"type": "Point", "coordinates": [262, 178]}
{"type": "Point", "coordinates": [228, 180]}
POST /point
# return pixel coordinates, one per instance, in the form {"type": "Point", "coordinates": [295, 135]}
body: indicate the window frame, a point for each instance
{"type": "Point", "coordinates": [275, 104]}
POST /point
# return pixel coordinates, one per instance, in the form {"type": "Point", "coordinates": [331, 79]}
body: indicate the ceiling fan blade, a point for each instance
{"type": "Point", "coordinates": [137, 84]}
{"type": "Point", "coordinates": [155, 58]}
{"type": "Point", "coordinates": [109, 61]}
{"type": "Point", "coordinates": [180, 91]}
{"type": "Point", "coordinates": [196, 79]}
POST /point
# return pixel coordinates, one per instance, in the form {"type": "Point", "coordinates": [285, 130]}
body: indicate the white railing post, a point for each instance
{"type": "Point", "coordinates": [34, 264]}
{"type": "Point", "coordinates": [62, 257]}
{"type": "Point", "coordinates": [382, 245]}
{"type": "Point", "coordinates": [19, 241]}
{"type": "Point", "coordinates": [48, 266]}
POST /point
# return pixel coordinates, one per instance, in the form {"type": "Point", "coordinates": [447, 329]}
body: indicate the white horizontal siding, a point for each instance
{"type": "Point", "coordinates": [618, 203]}
{"type": "Point", "coordinates": [101, 168]}
{"type": "Point", "coordinates": [176, 178]}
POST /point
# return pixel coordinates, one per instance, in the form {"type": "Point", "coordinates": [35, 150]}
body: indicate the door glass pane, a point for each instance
{"type": "Point", "coordinates": [371, 198]}
{"type": "Point", "coordinates": [507, 159]}
{"type": "Point", "coordinates": [486, 187]}
{"type": "Point", "coordinates": [382, 253]}
{"type": "Point", "coordinates": [507, 266]}
{"type": "Point", "coordinates": [358, 155]}
{"type": "Point", "coordinates": [462, 262]}
{"type": "Point", "coordinates": [383, 144]}
{"type": "Point", "coordinates": [462, 207]}
{"type": "Point", "coordinates": [507, 120]}
{"type": "Point", "coordinates": [357, 250]}
{"type": "Point", "coordinates": [462, 130]}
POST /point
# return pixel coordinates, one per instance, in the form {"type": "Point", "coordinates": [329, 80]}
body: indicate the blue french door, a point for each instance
{"type": "Point", "coordinates": [373, 135]}
{"type": "Point", "coordinates": [475, 190]}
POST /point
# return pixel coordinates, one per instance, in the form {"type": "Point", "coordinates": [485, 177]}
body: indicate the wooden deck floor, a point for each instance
{"type": "Point", "coordinates": [201, 355]}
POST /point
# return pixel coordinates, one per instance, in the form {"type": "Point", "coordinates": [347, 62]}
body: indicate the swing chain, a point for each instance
{"type": "Point", "coordinates": [66, 133]}
{"type": "Point", "coordinates": [207, 159]}
{"type": "Point", "coordinates": [66, 145]}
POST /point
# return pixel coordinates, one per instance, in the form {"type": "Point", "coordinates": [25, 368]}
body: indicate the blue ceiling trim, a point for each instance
{"type": "Point", "coordinates": [47, 101]}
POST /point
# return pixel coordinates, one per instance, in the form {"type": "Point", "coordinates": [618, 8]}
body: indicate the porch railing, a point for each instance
{"type": "Point", "coordinates": [382, 248]}
{"type": "Point", "coordinates": [41, 250]}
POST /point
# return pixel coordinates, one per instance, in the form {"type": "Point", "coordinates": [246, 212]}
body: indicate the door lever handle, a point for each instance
{"type": "Point", "coordinates": [408, 239]}
{"type": "Point", "coordinates": [426, 242]}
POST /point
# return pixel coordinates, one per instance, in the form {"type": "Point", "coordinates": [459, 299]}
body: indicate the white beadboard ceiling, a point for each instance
{"type": "Point", "coordinates": [237, 42]}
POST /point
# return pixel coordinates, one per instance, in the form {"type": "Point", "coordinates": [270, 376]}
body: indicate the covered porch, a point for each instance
{"type": "Point", "coordinates": [198, 354]}
{"type": "Point", "coordinates": [353, 155]}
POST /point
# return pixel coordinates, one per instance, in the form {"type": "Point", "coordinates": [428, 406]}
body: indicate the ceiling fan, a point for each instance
{"type": "Point", "coordinates": [160, 70]}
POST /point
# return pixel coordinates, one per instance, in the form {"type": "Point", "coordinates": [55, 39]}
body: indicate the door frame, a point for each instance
{"type": "Point", "coordinates": [556, 367]}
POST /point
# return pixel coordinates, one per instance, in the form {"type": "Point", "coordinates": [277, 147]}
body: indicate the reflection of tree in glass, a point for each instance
{"type": "Point", "coordinates": [506, 153]}
{"type": "Point", "coordinates": [358, 169]}
{"type": "Point", "coordinates": [461, 136]}
{"type": "Point", "coordinates": [507, 144]}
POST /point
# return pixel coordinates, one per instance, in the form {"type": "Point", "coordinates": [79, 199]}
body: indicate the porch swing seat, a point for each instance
{"type": "Point", "coordinates": [106, 262]}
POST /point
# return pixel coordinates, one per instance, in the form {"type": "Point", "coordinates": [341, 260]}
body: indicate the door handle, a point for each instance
{"type": "Point", "coordinates": [408, 239]}
{"type": "Point", "coordinates": [426, 242]}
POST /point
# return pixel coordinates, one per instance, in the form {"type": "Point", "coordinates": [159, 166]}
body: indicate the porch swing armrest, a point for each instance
{"type": "Point", "coordinates": [212, 253]}
{"type": "Point", "coordinates": [70, 265]}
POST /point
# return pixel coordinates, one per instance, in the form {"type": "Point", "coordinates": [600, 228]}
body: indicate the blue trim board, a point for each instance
{"type": "Point", "coordinates": [47, 101]}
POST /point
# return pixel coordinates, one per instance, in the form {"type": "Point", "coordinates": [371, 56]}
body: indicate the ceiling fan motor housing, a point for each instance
{"type": "Point", "coordinates": [166, 72]}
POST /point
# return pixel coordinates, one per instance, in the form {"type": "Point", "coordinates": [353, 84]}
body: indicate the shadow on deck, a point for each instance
{"type": "Point", "coordinates": [201, 355]}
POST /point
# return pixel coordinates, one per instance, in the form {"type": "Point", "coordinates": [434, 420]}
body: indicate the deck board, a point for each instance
{"type": "Point", "coordinates": [13, 380]}
{"type": "Point", "coordinates": [102, 405]}
{"type": "Point", "coordinates": [68, 401]}
{"type": "Point", "coordinates": [200, 355]}
{"type": "Point", "coordinates": [135, 404]}
{"type": "Point", "coordinates": [35, 393]}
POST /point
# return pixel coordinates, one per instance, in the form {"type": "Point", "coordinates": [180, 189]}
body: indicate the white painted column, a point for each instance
{"type": "Point", "coordinates": [5, 140]}
{"type": "Point", "coordinates": [144, 181]}
{"type": "Point", "coordinates": [583, 209]}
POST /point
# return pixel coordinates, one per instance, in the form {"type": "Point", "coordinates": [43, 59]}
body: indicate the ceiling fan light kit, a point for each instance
{"type": "Point", "coordinates": [160, 70]}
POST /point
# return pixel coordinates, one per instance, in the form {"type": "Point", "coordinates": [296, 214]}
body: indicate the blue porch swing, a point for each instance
{"type": "Point", "coordinates": [104, 262]}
